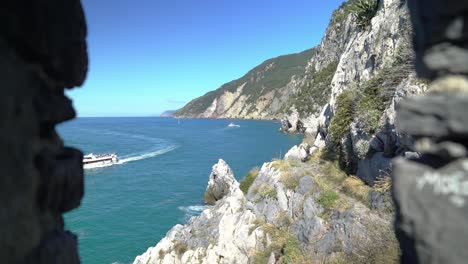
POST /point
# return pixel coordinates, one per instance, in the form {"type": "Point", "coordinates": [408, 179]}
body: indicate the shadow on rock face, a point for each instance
{"type": "Point", "coordinates": [43, 51]}
{"type": "Point", "coordinates": [429, 191]}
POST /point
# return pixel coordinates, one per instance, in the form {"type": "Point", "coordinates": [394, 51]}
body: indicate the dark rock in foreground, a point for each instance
{"type": "Point", "coordinates": [431, 192]}
{"type": "Point", "coordinates": [42, 52]}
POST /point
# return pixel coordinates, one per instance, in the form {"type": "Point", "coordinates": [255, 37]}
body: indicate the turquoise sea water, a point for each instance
{"type": "Point", "coordinates": [160, 181]}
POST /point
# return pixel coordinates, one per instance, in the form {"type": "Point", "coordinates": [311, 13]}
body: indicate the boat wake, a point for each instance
{"type": "Point", "coordinates": [157, 147]}
{"type": "Point", "coordinates": [130, 158]}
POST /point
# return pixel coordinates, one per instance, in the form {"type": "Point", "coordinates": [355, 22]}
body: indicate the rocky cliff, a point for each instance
{"type": "Point", "coordinates": [306, 209]}
{"type": "Point", "coordinates": [344, 97]}
{"type": "Point", "coordinates": [351, 53]}
{"type": "Point", "coordinates": [286, 212]}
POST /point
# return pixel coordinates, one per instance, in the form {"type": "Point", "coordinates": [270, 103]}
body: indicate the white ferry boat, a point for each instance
{"type": "Point", "coordinates": [233, 125]}
{"type": "Point", "coordinates": [102, 160]}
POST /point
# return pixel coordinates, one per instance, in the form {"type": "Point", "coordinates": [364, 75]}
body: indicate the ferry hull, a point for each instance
{"type": "Point", "coordinates": [97, 161]}
{"type": "Point", "coordinates": [99, 164]}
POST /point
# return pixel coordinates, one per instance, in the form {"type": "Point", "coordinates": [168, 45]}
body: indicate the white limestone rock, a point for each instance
{"type": "Point", "coordinates": [299, 153]}
{"type": "Point", "coordinates": [221, 183]}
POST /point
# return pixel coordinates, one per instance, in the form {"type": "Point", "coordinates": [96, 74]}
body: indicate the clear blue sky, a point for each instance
{"type": "Point", "coordinates": [148, 56]}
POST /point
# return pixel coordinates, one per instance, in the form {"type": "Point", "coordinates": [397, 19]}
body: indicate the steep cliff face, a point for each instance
{"type": "Point", "coordinates": [374, 73]}
{"type": "Point", "coordinates": [291, 213]}
{"type": "Point", "coordinates": [346, 93]}
{"type": "Point", "coordinates": [352, 55]}
{"type": "Point", "coordinates": [301, 210]}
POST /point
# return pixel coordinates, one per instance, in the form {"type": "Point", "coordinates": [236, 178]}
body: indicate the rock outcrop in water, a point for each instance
{"type": "Point", "coordinates": [43, 52]}
{"type": "Point", "coordinates": [291, 213]}
{"type": "Point", "coordinates": [430, 191]}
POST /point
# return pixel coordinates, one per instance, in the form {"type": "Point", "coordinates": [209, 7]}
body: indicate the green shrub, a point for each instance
{"type": "Point", "coordinates": [366, 104]}
{"type": "Point", "coordinates": [372, 104]}
{"type": "Point", "coordinates": [364, 11]}
{"type": "Point", "coordinates": [343, 117]}
{"type": "Point", "coordinates": [328, 199]}
{"type": "Point", "coordinates": [292, 251]}
{"type": "Point", "coordinates": [248, 180]}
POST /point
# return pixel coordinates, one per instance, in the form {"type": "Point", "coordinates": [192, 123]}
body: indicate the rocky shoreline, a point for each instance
{"type": "Point", "coordinates": [308, 207]}
{"type": "Point", "coordinates": [293, 212]}
{"type": "Point", "coordinates": [378, 134]}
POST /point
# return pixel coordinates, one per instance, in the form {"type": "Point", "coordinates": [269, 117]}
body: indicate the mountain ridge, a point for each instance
{"type": "Point", "coordinates": [257, 84]}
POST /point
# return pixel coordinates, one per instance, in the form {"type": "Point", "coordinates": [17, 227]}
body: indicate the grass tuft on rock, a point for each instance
{"type": "Point", "coordinates": [267, 191]}
{"type": "Point", "coordinates": [281, 164]}
{"type": "Point", "coordinates": [328, 199]}
{"type": "Point", "coordinates": [248, 180]}
{"type": "Point", "coordinates": [180, 247]}
{"type": "Point", "coordinates": [290, 180]}
{"type": "Point", "coordinates": [284, 245]}
{"type": "Point", "coordinates": [336, 178]}
{"type": "Point", "coordinates": [356, 188]}
{"type": "Point", "coordinates": [161, 254]}
{"type": "Point", "coordinates": [383, 184]}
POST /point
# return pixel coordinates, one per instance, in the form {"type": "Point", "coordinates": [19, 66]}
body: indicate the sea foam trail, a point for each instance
{"type": "Point", "coordinates": [146, 155]}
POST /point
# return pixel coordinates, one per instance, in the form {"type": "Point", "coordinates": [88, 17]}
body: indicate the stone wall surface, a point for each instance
{"type": "Point", "coordinates": [42, 52]}
{"type": "Point", "coordinates": [430, 191]}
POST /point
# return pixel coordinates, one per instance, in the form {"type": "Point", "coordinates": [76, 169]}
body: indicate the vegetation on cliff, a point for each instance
{"type": "Point", "coordinates": [315, 92]}
{"type": "Point", "coordinates": [269, 76]}
{"type": "Point", "coordinates": [321, 208]}
{"type": "Point", "coordinates": [247, 181]}
{"type": "Point", "coordinates": [363, 11]}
